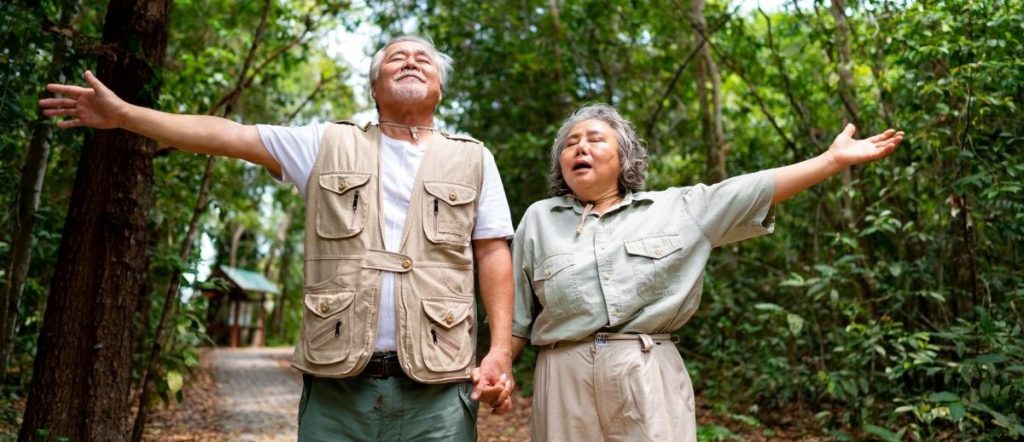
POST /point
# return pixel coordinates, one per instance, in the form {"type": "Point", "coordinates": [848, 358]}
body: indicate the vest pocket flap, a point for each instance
{"type": "Point", "coordinates": [450, 193]}
{"type": "Point", "coordinates": [447, 312]}
{"type": "Point", "coordinates": [551, 266]}
{"type": "Point", "coordinates": [342, 182]}
{"type": "Point", "coordinates": [327, 304]}
{"type": "Point", "coordinates": [656, 248]}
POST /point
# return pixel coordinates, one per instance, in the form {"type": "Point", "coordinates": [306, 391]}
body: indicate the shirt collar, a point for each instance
{"type": "Point", "coordinates": [568, 202]}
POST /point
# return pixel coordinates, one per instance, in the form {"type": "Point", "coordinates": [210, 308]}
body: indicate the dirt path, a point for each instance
{"type": "Point", "coordinates": [253, 395]}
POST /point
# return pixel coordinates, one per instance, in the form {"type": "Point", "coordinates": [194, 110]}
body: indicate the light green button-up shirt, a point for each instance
{"type": "Point", "coordinates": [638, 268]}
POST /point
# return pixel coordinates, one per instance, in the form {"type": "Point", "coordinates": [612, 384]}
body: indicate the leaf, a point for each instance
{"type": "Point", "coordinates": [956, 411]}
{"type": "Point", "coordinates": [882, 433]}
{"type": "Point", "coordinates": [991, 358]}
{"type": "Point", "coordinates": [767, 306]}
{"type": "Point", "coordinates": [174, 381]}
{"type": "Point", "coordinates": [796, 324]}
{"type": "Point", "coordinates": [943, 396]}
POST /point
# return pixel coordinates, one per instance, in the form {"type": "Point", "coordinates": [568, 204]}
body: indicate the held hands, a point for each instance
{"type": "Point", "coordinates": [96, 107]}
{"type": "Point", "coordinates": [493, 382]}
{"type": "Point", "coordinates": [847, 151]}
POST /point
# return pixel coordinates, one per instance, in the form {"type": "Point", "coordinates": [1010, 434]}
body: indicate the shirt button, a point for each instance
{"type": "Point", "coordinates": [547, 272]}
{"type": "Point", "coordinates": [406, 264]}
{"type": "Point", "coordinates": [657, 251]}
{"type": "Point", "coordinates": [615, 311]}
{"type": "Point", "coordinates": [324, 307]}
{"type": "Point", "coordinates": [606, 275]}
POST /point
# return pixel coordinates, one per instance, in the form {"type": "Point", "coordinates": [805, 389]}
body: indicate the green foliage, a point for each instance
{"type": "Point", "coordinates": [890, 307]}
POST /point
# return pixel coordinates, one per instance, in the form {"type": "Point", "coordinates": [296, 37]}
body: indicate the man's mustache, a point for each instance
{"type": "Point", "coordinates": [410, 73]}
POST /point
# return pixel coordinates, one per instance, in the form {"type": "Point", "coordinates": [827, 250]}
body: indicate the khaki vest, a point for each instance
{"type": "Point", "coordinates": [345, 257]}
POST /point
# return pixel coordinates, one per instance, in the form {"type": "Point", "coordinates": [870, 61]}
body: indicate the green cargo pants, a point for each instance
{"type": "Point", "coordinates": [392, 409]}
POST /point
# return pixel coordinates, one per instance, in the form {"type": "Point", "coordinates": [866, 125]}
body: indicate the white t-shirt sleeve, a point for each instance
{"type": "Point", "coordinates": [493, 217]}
{"type": "Point", "coordinates": [295, 149]}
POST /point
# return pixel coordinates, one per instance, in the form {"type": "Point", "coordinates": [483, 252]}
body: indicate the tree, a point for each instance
{"type": "Point", "coordinates": [83, 369]}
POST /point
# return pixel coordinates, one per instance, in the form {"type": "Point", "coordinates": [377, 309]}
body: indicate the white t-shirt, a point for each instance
{"type": "Point", "coordinates": [296, 148]}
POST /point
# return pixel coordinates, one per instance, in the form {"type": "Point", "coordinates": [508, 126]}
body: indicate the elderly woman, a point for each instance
{"type": "Point", "coordinates": [605, 272]}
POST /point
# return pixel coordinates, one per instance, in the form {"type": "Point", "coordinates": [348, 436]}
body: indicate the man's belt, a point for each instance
{"type": "Point", "coordinates": [384, 365]}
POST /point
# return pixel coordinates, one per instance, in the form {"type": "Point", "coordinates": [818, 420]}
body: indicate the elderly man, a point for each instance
{"type": "Point", "coordinates": [397, 213]}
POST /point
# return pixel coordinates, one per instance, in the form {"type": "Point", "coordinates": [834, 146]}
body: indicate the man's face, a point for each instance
{"type": "Point", "coordinates": [408, 74]}
{"type": "Point", "coordinates": [590, 159]}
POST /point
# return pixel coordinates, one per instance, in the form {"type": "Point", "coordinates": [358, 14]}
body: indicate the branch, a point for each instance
{"type": "Point", "coordinates": [316, 91]}
{"type": "Point", "coordinates": [679, 71]}
{"type": "Point", "coordinates": [787, 84]}
{"type": "Point", "coordinates": [753, 90]}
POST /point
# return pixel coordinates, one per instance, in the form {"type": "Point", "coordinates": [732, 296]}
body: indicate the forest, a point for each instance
{"type": "Point", "coordinates": [887, 305]}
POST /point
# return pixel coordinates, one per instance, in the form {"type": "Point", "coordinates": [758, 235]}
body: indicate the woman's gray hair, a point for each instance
{"type": "Point", "coordinates": [441, 60]}
{"type": "Point", "coordinates": [632, 152]}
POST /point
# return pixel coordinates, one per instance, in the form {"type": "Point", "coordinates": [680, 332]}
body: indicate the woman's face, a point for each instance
{"type": "Point", "coordinates": [590, 160]}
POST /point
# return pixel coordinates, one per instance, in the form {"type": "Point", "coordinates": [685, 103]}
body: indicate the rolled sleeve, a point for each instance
{"type": "Point", "coordinates": [733, 210]}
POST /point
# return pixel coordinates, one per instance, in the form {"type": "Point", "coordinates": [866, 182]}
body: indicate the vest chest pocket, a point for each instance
{"type": "Point", "coordinates": [328, 326]}
{"type": "Point", "coordinates": [447, 335]}
{"type": "Point", "coordinates": [341, 204]}
{"type": "Point", "coordinates": [657, 263]}
{"type": "Point", "coordinates": [448, 212]}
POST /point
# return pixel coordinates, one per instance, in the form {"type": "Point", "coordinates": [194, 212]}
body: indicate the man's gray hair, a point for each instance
{"type": "Point", "coordinates": [442, 61]}
{"type": "Point", "coordinates": [632, 152]}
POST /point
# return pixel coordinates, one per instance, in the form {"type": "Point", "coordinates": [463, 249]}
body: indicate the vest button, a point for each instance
{"type": "Point", "coordinates": [341, 187]}
{"type": "Point", "coordinates": [324, 307]}
{"type": "Point", "coordinates": [406, 264]}
{"type": "Point", "coordinates": [448, 318]}
{"type": "Point", "coordinates": [452, 196]}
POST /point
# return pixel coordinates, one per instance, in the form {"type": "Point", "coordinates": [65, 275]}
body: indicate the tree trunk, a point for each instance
{"type": "Point", "coordinates": [29, 189]}
{"type": "Point", "coordinates": [82, 373]}
{"type": "Point", "coordinates": [710, 102]}
{"type": "Point", "coordinates": [236, 239]}
{"type": "Point", "coordinates": [846, 95]}
{"type": "Point", "coordinates": [282, 278]}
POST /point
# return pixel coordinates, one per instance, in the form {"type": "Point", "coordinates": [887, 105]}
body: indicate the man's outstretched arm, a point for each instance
{"type": "Point", "coordinates": [99, 107]}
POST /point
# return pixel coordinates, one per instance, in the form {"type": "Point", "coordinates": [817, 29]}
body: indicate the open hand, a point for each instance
{"type": "Point", "coordinates": [96, 107]}
{"type": "Point", "coordinates": [847, 151]}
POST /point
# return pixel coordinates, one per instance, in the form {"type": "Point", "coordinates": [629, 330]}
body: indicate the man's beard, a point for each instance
{"type": "Point", "coordinates": [409, 91]}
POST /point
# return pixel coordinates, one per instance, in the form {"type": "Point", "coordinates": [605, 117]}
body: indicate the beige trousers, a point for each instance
{"type": "Point", "coordinates": [613, 388]}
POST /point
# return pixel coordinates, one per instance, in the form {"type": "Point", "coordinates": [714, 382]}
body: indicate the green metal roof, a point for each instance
{"type": "Point", "coordinates": [249, 281]}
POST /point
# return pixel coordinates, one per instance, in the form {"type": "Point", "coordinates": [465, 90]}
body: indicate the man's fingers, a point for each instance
{"type": "Point", "coordinates": [478, 389]}
{"type": "Point", "coordinates": [57, 102]}
{"type": "Point", "coordinates": [59, 112]}
{"type": "Point", "coordinates": [66, 89]}
{"type": "Point", "coordinates": [68, 124]}
{"type": "Point", "coordinates": [93, 81]}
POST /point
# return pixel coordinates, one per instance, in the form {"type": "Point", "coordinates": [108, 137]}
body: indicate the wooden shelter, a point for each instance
{"type": "Point", "coordinates": [236, 310]}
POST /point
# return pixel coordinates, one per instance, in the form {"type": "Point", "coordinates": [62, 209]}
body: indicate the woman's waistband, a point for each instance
{"type": "Point", "coordinates": [647, 341]}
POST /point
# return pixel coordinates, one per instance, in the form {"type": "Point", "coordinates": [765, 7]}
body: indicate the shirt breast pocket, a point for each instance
{"type": "Point", "coordinates": [554, 282]}
{"type": "Point", "coordinates": [448, 215]}
{"type": "Point", "coordinates": [657, 263]}
{"type": "Point", "coordinates": [341, 204]}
